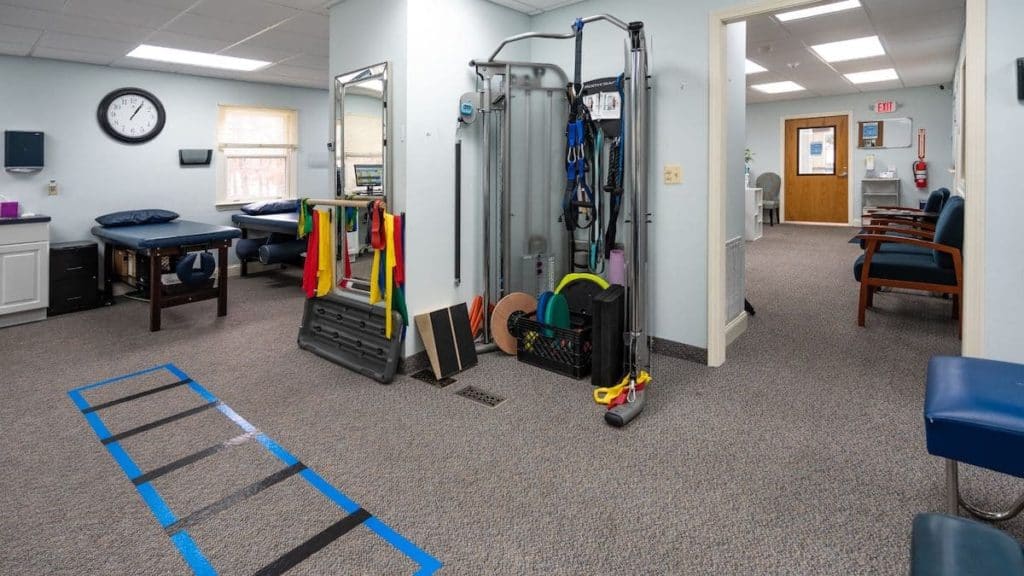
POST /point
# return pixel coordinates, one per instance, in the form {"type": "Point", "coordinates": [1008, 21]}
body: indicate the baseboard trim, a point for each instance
{"type": "Point", "coordinates": [679, 350]}
{"type": "Point", "coordinates": [736, 328]}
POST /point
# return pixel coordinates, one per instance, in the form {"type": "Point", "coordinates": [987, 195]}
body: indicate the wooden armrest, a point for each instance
{"type": "Point", "coordinates": [900, 208]}
{"type": "Point", "coordinates": [922, 234]}
{"type": "Point", "coordinates": [901, 222]}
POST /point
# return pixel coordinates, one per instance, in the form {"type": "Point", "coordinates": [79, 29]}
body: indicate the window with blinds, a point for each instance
{"type": "Point", "coordinates": [257, 149]}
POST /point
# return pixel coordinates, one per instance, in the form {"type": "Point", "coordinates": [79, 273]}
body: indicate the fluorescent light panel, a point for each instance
{"type": "Point", "coordinates": [854, 49]}
{"type": "Point", "coordinates": [754, 67]}
{"type": "Point", "coordinates": [818, 10]}
{"type": "Point", "coordinates": [191, 58]}
{"type": "Point", "coordinates": [869, 76]}
{"type": "Point", "coordinates": [778, 87]}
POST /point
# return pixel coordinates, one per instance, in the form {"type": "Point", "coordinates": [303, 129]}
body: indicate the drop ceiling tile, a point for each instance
{"type": "Point", "coordinates": [122, 11]}
{"type": "Point", "coordinates": [12, 49]}
{"type": "Point", "coordinates": [19, 35]}
{"type": "Point", "coordinates": [72, 56]}
{"type": "Point", "coordinates": [881, 10]}
{"type": "Point", "coordinates": [764, 30]}
{"type": "Point", "coordinates": [316, 6]}
{"type": "Point", "coordinates": [178, 5]}
{"type": "Point", "coordinates": [934, 23]}
{"type": "Point", "coordinates": [212, 28]}
{"type": "Point", "coordinates": [292, 43]}
{"type": "Point", "coordinates": [864, 64]}
{"type": "Point", "coordinates": [307, 61]}
{"type": "Point", "coordinates": [98, 28]}
{"type": "Point", "coordinates": [25, 17]}
{"type": "Point", "coordinates": [255, 12]}
{"type": "Point", "coordinates": [307, 24]}
{"type": "Point", "coordinates": [48, 5]}
{"type": "Point", "coordinates": [73, 43]}
{"type": "Point", "coordinates": [257, 52]}
{"type": "Point", "coordinates": [186, 42]}
{"type": "Point", "coordinates": [524, 7]}
{"type": "Point", "coordinates": [832, 27]}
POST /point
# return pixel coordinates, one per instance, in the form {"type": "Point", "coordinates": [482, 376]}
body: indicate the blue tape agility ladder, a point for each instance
{"type": "Point", "coordinates": [177, 528]}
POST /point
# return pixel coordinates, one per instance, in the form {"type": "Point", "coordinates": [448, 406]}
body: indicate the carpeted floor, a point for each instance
{"type": "Point", "coordinates": [804, 454]}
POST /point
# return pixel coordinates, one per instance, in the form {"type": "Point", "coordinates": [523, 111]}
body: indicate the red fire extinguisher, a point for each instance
{"type": "Point", "coordinates": [920, 167]}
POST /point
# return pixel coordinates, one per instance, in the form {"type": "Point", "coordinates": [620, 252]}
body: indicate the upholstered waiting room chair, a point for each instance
{"type": "Point", "coordinates": [770, 184]}
{"type": "Point", "coordinates": [932, 207]}
{"type": "Point", "coordinates": [925, 261]}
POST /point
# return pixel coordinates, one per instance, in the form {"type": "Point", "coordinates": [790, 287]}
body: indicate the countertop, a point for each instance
{"type": "Point", "coordinates": [34, 219]}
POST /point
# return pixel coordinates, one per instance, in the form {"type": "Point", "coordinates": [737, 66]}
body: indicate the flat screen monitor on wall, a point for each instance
{"type": "Point", "coordinates": [369, 176]}
{"type": "Point", "coordinates": [23, 151]}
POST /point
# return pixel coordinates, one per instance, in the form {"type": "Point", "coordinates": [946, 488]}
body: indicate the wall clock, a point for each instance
{"type": "Point", "coordinates": [131, 115]}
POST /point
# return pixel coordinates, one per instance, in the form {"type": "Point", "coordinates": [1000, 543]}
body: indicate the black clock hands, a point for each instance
{"type": "Point", "coordinates": [136, 112]}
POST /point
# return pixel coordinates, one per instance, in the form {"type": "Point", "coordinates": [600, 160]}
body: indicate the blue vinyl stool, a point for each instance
{"type": "Point", "coordinates": [974, 413]}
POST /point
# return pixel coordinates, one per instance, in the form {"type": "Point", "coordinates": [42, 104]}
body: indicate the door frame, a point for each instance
{"type": "Point", "coordinates": [849, 163]}
{"type": "Point", "coordinates": [974, 173]}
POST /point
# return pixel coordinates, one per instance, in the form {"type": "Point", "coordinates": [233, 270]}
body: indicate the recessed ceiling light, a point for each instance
{"type": "Point", "coordinates": [161, 54]}
{"type": "Point", "coordinates": [778, 87]}
{"type": "Point", "coordinates": [850, 49]}
{"type": "Point", "coordinates": [754, 68]}
{"type": "Point", "coordinates": [818, 10]}
{"type": "Point", "coordinates": [872, 76]}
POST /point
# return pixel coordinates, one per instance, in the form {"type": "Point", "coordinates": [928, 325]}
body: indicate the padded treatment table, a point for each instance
{"type": "Point", "coordinates": [283, 223]}
{"type": "Point", "coordinates": [175, 238]}
{"type": "Point", "coordinates": [950, 546]}
{"type": "Point", "coordinates": [974, 413]}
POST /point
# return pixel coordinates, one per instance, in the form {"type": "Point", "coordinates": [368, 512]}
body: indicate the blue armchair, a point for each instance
{"type": "Point", "coordinates": [913, 258]}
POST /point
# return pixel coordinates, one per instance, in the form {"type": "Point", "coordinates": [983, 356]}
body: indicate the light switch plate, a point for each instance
{"type": "Point", "coordinates": [673, 174]}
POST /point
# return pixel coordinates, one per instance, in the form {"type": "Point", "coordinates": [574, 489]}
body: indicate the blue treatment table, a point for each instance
{"type": "Point", "coordinates": [284, 223]}
{"type": "Point", "coordinates": [171, 239]}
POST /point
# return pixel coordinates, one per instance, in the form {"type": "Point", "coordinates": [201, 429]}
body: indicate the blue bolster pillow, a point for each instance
{"type": "Point", "coordinates": [271, 207]}
{"type": "Point", "coordinates": [136, 217]}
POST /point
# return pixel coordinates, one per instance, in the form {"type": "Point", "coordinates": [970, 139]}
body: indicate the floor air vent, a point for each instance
{"type": "Point", "coordinates": [427, 375]}
{"type": "Point", "coordinates": [477, 395]}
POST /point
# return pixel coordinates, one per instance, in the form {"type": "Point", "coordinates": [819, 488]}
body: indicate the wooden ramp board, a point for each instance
{"type": "Point", "coordinates": [448, 340]}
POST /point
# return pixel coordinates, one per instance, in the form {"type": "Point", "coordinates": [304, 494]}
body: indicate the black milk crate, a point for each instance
{"type": "Point", "coordinates": [565, 351]}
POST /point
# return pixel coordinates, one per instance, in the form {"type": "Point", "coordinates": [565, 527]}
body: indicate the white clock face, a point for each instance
{"type": "Point", "coordinates": [132, 115]}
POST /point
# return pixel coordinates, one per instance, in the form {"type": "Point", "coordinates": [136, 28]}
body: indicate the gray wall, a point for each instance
{"type": "Point", "coordinates": [1004, 258]}
{"type": "Point", "coordinates": [97, 174]}
{"type": "Point", "coordinates": [929, 107]}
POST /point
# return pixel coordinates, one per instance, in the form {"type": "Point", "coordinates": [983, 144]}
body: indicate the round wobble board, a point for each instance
{"type": "Point", "coordinates": [503, 310]}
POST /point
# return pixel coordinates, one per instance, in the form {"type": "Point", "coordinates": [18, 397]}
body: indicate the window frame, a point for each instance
{"type": "Point", "coordinates": [288, 150]}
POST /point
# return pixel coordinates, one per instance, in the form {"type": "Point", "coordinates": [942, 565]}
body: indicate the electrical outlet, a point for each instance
{"type": "Point", "coordinates": [52, 188]}
{"type": "Point", "coordinates": [673, 174]}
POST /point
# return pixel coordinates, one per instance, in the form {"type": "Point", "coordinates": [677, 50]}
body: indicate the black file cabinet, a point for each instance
{"type": "Point", "coordinates": [74, 281]}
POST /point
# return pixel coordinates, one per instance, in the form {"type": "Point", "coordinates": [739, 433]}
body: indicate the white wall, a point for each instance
{"type": "Point", "coordinates": [929, 107]}
{"type": "Point", "coordinates": [1004, 199]}
{"type": "Point", "coordinates": [97, 174]}
{"type": "Point", "coordinates": [735, 181]}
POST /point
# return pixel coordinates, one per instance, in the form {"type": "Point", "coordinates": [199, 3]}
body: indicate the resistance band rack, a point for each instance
{"type": "Point", "coordinates": [341, 203]}
{"type": "Point", "coordinates": [636, 86]}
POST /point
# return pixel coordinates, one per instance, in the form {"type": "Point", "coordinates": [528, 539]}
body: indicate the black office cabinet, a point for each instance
{"type": "Point", "coordinates": [74, 283]}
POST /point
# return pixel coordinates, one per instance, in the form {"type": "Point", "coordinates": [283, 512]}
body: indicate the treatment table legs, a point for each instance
{"type": "Point", "coordinates": [222, 281]}
{"type": "Point", "coordinates": [155, 274]}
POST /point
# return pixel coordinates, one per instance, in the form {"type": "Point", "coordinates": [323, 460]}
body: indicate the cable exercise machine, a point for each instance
{"type": "Point", "coordinates": [580, 208]}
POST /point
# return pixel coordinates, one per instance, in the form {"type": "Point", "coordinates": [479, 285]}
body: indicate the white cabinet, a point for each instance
{"type": "Point", "coordinates": [754, 211]}
{"type": "Point", "coordinates": [24, 272]}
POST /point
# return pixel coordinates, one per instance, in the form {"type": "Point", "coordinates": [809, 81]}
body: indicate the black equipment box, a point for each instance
{"type": "Point", "coordinates": [608, 329]}
{"type": "Point", "coordinates": [74, 280]}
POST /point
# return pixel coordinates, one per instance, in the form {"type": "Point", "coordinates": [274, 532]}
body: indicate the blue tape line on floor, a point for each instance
{"type": "Point", "coordinates": [188, 549]}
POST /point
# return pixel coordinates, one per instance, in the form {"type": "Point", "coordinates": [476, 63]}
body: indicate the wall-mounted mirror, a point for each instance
{"type": "Point", "coordinates": [891, 133]}
{"type": "Point", "coordinates": [361, 158]}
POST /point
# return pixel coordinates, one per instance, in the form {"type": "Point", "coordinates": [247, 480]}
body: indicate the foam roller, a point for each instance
{"type": "Point", "coordinates": [283, 252]}
{"type": "Point", "coordinates": [248, 248]}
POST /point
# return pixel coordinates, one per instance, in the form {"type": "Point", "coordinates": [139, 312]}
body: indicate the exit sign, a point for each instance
{"type": "Point", "coordinates": [885, 106]}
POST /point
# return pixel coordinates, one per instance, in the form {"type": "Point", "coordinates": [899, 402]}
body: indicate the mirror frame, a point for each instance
{"type": "Point", "coordinates": [379, 71]}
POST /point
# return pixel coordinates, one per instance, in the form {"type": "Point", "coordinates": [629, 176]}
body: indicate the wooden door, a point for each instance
{"type": "Point", "coordinates": [817, 169]}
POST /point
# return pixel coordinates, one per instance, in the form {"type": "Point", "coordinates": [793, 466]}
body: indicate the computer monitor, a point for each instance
{"type": "Point", "coordinates": [369, 175]}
